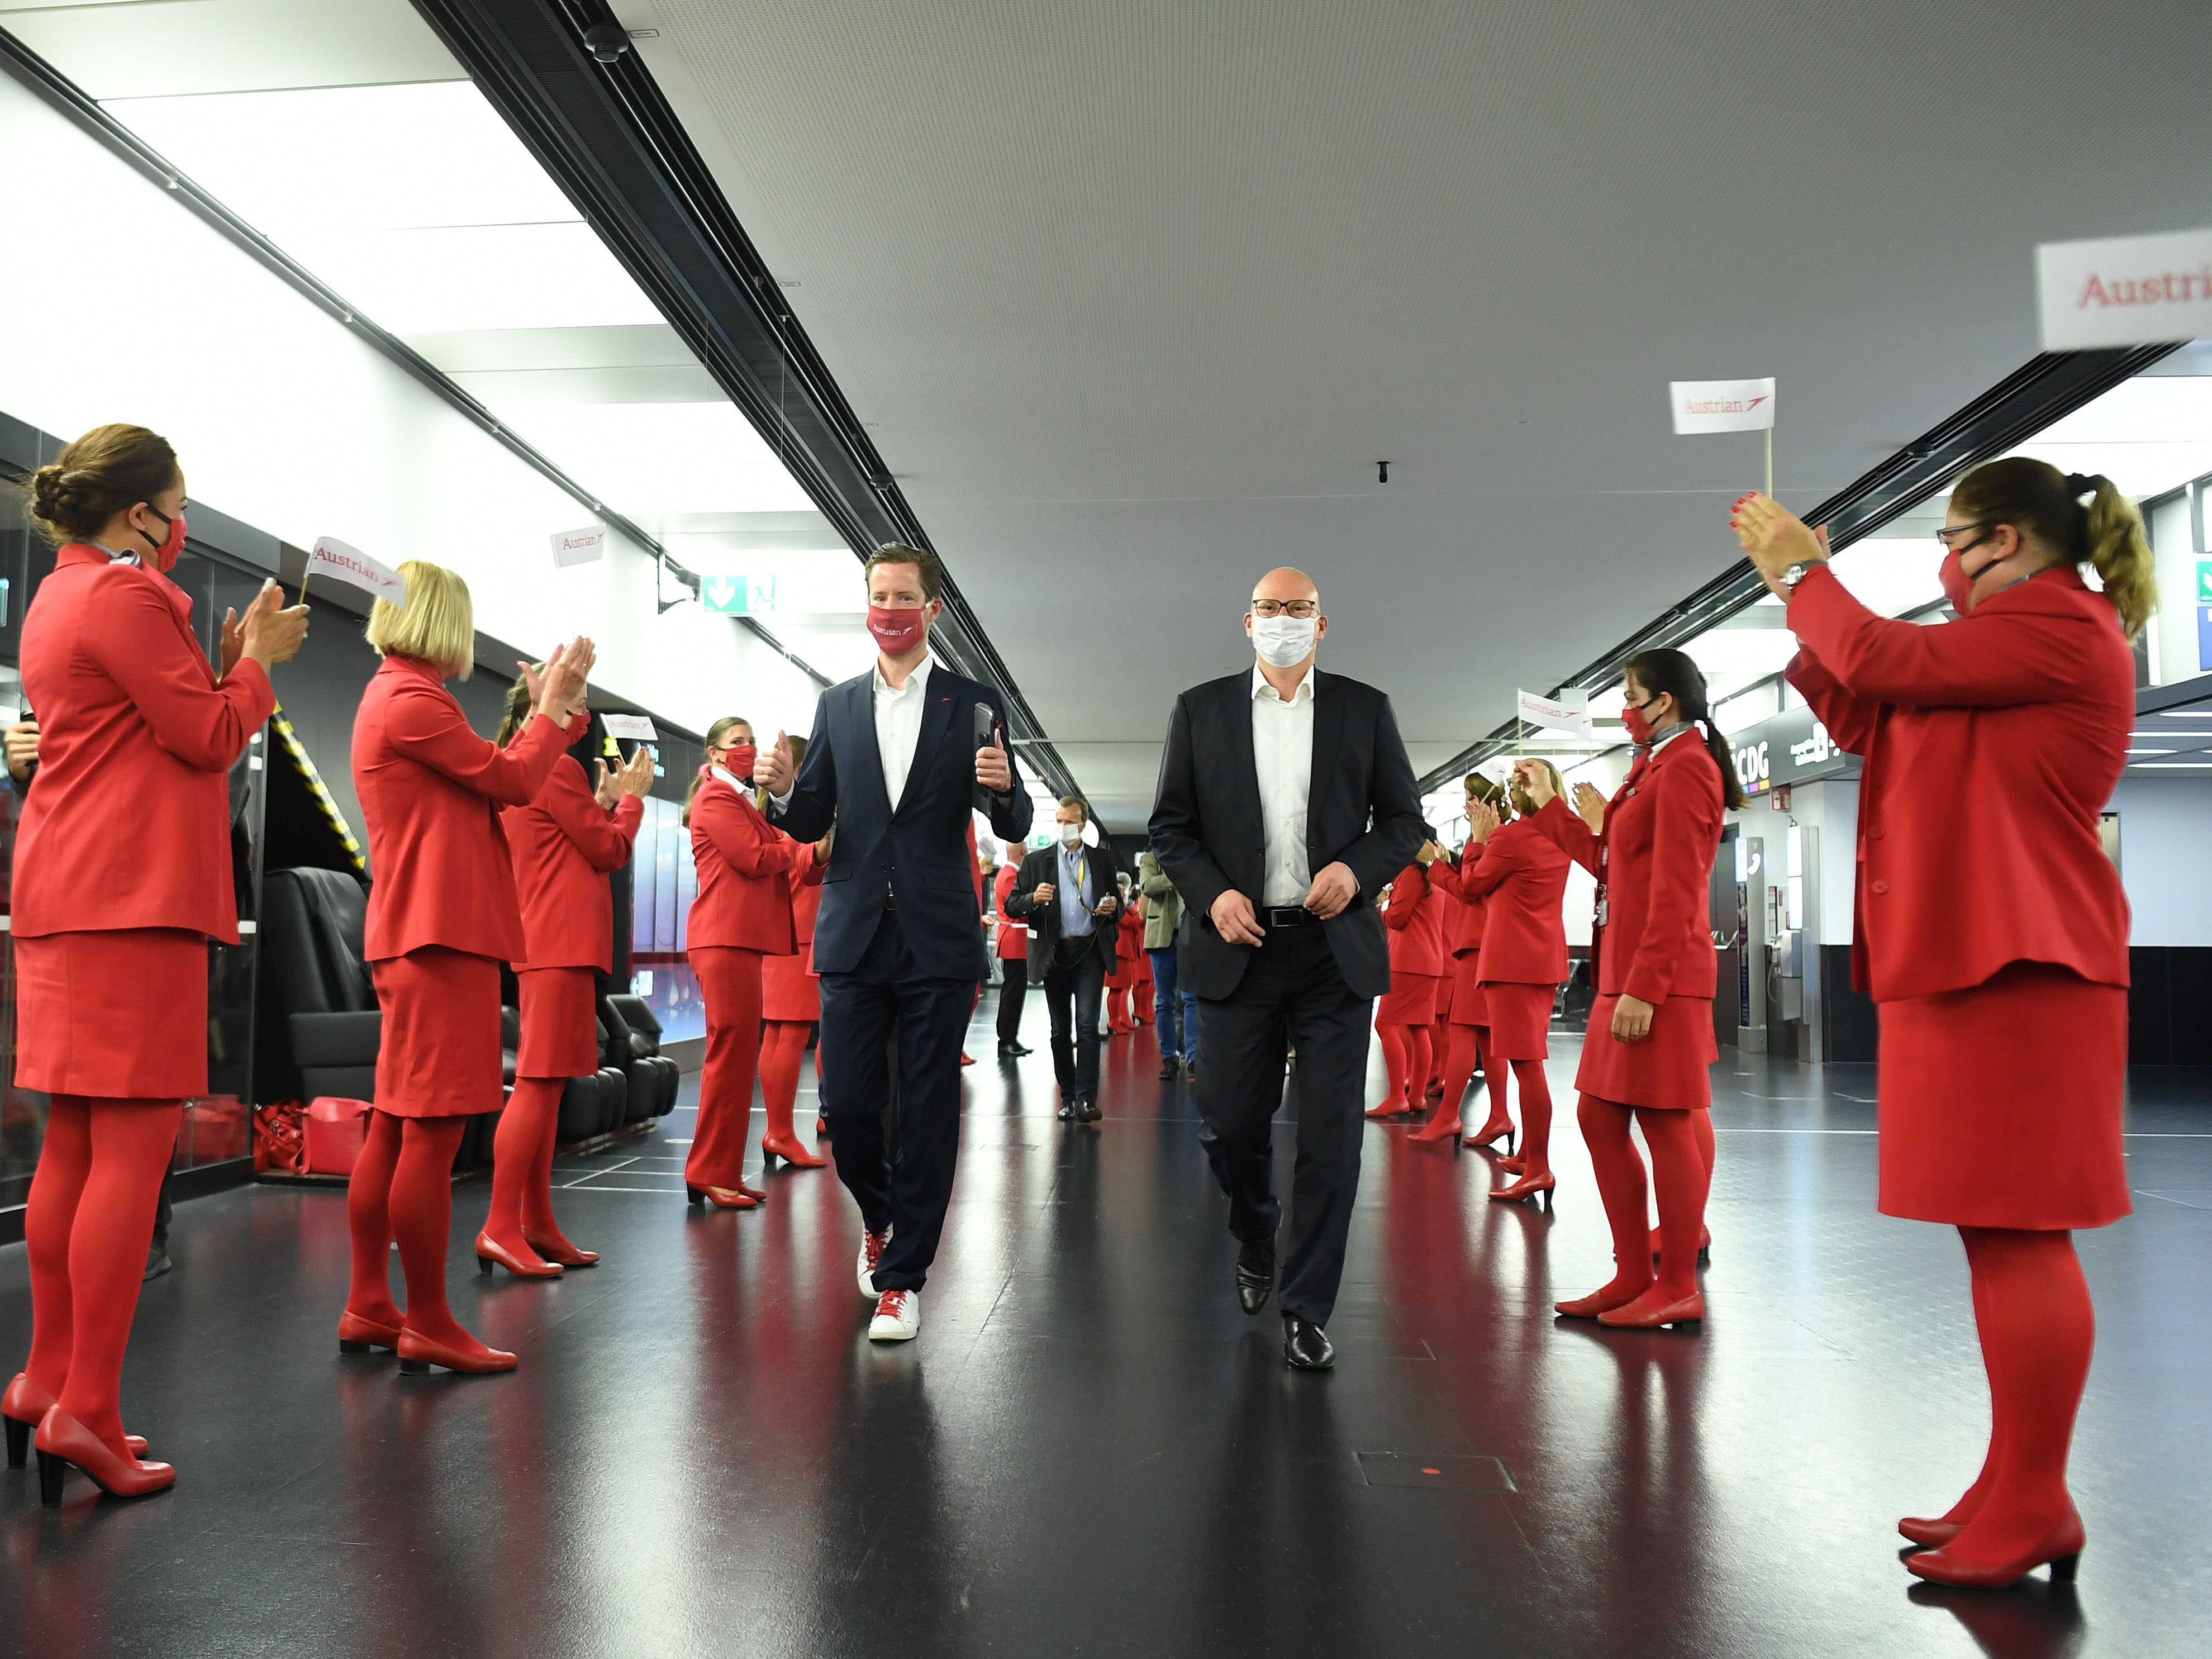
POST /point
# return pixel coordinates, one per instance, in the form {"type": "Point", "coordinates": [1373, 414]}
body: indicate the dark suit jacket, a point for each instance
{"type": "Point", "coordinates": [1043, 866]}
{"type": "Point", "coordinates": [1362, 810]}
{"type": "Point", "coordinates": [914, 850]}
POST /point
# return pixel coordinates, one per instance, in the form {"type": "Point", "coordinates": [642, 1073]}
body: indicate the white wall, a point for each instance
{"type": "Point", "coordinates": [2165, 858]}
{"type": "Point", "coordinates": [286, 419]}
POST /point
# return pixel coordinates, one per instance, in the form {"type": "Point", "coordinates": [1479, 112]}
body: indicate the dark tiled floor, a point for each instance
{"type": "Point", "coordinates": [1090, 1451]}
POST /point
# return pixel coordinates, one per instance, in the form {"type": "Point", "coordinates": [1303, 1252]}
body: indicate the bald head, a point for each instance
{"type": "Point", "coordinates": [1285, 583]}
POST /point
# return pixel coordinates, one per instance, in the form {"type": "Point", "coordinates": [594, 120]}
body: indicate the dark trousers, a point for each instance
{"type": "Point", "coordinates": [1167, 1007]}
{"type": "Point", "coordinates": [1073, 988]}
{"type": "Point", "coordinates": [1292, 993]}
{"type": "Point", "coordinates": [1011, 994]}
{"type": "Point", "coordinates": [886, 997]}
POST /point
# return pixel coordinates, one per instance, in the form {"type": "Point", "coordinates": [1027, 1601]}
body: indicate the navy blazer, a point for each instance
{"type": "Point", "coordinates": [1362, 811]}
{"type": "Point", "coordinates": [914, 852]}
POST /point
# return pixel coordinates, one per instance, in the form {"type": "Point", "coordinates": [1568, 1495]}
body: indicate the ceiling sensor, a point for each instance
{"type": "Point", "coordinates": [1382, 472]}
{"type": "Point", "coordinates": [606, 42]}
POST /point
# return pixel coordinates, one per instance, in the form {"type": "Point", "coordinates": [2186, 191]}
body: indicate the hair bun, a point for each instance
{"type": "Point", "coordinates": [2078, 484]}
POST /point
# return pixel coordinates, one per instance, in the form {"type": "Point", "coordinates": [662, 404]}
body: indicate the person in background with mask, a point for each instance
{"type": "Point", "coordinates": [1121, 977]}
{"type": "Point", "coordinates": [1141, 989]}
{"type": "Point", "coordinates": [2001, 974]}
{"type": "Point", "coordinates": [1286, 803]}
{"type": "Point", "coordinates": [1162, 921]}
{"type": "Point", "coordinates": [1468, 1009]}
{"type": "Point", "coordinates": [1013, 944]}
{"type": "Point", "coordinates": [791, 1001]}
{"type": "Point", "coordinates": [742, 915]}
{"type": "Point", "coordinates": [1523, 879]}
{"type": "Point", "coordinates": [122, 875]}
{"type": "Point", "coordinates": [899, 939]}
{"type": "Point", "coordinates": [1414, 915]}
{"type": "Point", "coordinates": [1069, 896]}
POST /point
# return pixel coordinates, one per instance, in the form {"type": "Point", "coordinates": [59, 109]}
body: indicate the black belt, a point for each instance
{"type": "Point", "coordinates": [1287, 915]}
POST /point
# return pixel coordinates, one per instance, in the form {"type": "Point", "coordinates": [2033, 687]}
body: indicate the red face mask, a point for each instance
{"type": "Point", "coordinates": [897, 631]}
{"type": "Point", "coordinates": [737, 761]}
{"type": "Point", "coordinates": [165, 555]}
{"type": "Point", "coordinates": [1957, 585]}
{"type": "Point", "coordinates": [1639, 729]}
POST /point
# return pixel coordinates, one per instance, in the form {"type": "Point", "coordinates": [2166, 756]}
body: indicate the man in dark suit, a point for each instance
{"type": "Point", "coordinates": [1285, 803]}
{"type": "Point", "coordinates": [899, 939]}
{"type": "Point", "coordinates": [1069, 896]}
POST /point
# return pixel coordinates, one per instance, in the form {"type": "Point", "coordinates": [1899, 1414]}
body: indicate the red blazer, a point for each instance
{"type": "Point", "coordinates": [1991, 744]}
{"type": "Point", "coordinates": [1463, 928]}
{"type": "Point", "coordinates": [128, 823]}
{"type": "Point", "coordinates": [564, 845]}
{"type": "Point", "coordinates": [1524, 874]}
{"type": "Point", "coordinates": [1013, 942]}
{"type": "Point", "coordinates": [1415, 917]}
{"type": "Point", "coordinates": [439, 869]}
{"type": "Point", "coordinates": [744, 866]}
{"type": "Point", "coordinates": [1655, 863]}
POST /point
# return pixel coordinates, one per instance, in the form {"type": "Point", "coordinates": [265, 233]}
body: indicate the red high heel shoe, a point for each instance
{"type": "Point", "coordinates": [1644, 1315]}
{"type": "Point", "coordinates": [418, 1353]}
{"type": "Point", "coordinates": [722, 1198]}
{"type": "Point", "coordinates": [490, 1249]}
{"type": "Point", "coordinates": [1438, 1127]}
{"type": "Point", "coordinates": [1930, 1533]}
{"type": "Point", "coordinates": [64, 1444]}
{"type": "Point", "coordinates": [1512, 1163]}
{"type": "Point", "coordinates": [24, 1404]}
{"type": "Point", "coordinates": [1527, 1187]}
{"type": "Point", "coordinates": [1497, 1129]}
{"type": "Point", "coordinates": [357, 1335]}
{"type": "Point", "coordinates": [561, 1251]}
{"type": "Point", "coordinates": [790, 1151]}
{"type": "Point", "coordinates": [2061, 1549]}
{"type": "Point", "coordinates": [1597, 1302]}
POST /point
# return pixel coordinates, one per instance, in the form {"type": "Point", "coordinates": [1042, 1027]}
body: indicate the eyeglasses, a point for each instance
{"type": "Point", "coordinates": [1943, 536]}
{"type": "Point", "coordinates": [1300, 608]}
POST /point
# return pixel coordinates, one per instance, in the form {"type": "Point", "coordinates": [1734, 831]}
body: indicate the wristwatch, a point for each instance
{"type": "Point", "coordinates": [1795, 574]}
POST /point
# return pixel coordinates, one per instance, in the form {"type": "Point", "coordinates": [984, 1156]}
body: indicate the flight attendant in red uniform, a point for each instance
{"type": "Point", "coordinates": [122, 875]}
{"type": "Point", "coordinates": [1124, 973]}
{"type": "Point", "coordinates": [1470, 1009]}
{"type": "Point", "coordinates": [443, 916]}
{"type": "Point", "coordinates": [1647, 1055]}
{"type": "Point", "coordinates": [1141, 989]}
{"type": "Point", "coordinates": [564, 846]}
{"type": "Point", "coordinates": [791, 1000]}
{"type": "Point", "coordinates": [1406, 1014]}
{"type": "Point", "coordinates": [1523, 876]}
{"type": "Point", "coordinates": [1013, 944]}
{"type": "Point", "coordinates": [742, 915]}
{"type": "Point", "coordinates": [1993, 935]}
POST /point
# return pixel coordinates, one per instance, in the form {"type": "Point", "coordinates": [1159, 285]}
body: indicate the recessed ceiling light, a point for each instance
{"type": "Point", "coordinates": [2153, 752]}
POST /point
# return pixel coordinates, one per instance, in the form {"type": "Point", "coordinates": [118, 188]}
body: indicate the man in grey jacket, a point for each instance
{"type": "Point", "coordinates": [1175, 1015]}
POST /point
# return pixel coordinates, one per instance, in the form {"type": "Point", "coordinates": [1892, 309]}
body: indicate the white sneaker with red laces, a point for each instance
{"type": "Point", "coordinates": [898, 1317]}
{"type": "Point", "coordinates": [872, 1254]}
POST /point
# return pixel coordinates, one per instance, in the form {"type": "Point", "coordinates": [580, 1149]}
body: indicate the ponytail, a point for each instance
{"type": "Point", "coordinates": [1677, 674]}
{"type": "Point", "coordinates": [2045, 505]}
{"type": "Point", "coordinates": [517, 714]}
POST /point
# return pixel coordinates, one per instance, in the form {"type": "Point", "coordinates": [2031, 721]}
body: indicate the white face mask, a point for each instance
{"type": "Point", "coordinates": [1071, 835]}
{"type": "Point", "coordinates": [1284, 641]}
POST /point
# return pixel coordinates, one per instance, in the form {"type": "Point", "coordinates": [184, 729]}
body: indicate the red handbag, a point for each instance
{"type": "Point", "coordinates": [276, 1136]}
{"type": "Point", "coordinates": [336, 1130]}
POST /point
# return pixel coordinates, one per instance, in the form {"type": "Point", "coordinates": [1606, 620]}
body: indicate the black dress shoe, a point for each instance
{"type": "Point", "coordinates": [1255, 1273]}
{"type": "Point", "coordinates": [1070, 1106]}
{"type": "Point", "coordinates": [1305, 1345]}
{"type": "Point", "coordinates": [1170, 1069]}
{"type": "Point", "coordinates": [1012, 1051]}
{"type": "Point", "coordinates": [1086, 1111]}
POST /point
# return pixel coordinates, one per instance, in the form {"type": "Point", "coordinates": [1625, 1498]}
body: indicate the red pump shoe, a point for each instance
{"type": "Point", "coordinates": [64, 1444]}
{"type": "Point", "coordinates": [358, 1333]}
{"type": "Point", "coordinates": [1646, 1314]}
{"type": "Point", "coordinates": [722, 1198]}
{"type": "Point", "coordinates": [490, 1249]}
{"type": "Point", "coordinates": [24, 1405]}
{"type": "Point", "coordinates": [418, 1353]}
{"type": "Point", "coordinates": [1929, 1532]}
{"type": "Point", "coordinates": [2061, 1549]}
{"type": "Point", "coordinates": [1527, 1187]}
{"type": "Point", "coordinates": [560, 1250]}
{"type": "Point", "coordinates": [1598, 1302]}
{"type": "Point", "coordinates": [776, 1147]}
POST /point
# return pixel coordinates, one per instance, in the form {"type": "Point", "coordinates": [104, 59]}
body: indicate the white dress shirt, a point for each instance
{"type": "Point", "coordinates": [898, 725]}
{"type": "Point", "coordinates": [1282, 757]}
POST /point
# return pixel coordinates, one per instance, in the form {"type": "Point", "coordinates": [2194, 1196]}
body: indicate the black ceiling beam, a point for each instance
{"type": "Point", "coordinates": [2001, 419]}
{"type": "Point", "coordinates": [606, 135]}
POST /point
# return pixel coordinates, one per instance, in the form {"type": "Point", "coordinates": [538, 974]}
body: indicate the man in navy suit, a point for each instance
{"type": "Point", "coordinates": [899, 939]}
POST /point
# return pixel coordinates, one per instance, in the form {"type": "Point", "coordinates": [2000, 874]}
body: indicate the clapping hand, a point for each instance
{"type": "Point", "coordinates": [1535, 781]}
{"type": "Point", "coordinates": [1481, 822]}
{"type": "Point", "coordinates": [558, 689]}
{"type": "Point", "coordinates": [268, 633]}
{"type": "Point", "coordinates": [1774, 537]}
{"type": "Point", "coordinates": [1590, 807]}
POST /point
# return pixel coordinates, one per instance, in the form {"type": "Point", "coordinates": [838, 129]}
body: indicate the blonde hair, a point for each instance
{"type": "Point", "coordinates": [2040, 501]}
{"type": "Point", "coordinates": [437, 624]}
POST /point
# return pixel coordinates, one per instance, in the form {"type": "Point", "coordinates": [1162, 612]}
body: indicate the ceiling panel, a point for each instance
{"type": "Point", "coordinates": [165, 47]}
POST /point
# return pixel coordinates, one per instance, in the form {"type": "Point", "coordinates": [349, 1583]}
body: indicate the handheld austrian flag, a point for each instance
{"type": "Point", "coordinates": [1703, 406]}
{"type": "Point", "coordinates": [333, 558]}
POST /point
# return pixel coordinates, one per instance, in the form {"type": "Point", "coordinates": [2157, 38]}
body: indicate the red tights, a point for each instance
{"type": "Point", "coordinates": [782, 1056]}
{"type": "Point", "coordinates": [1439, 1053]}
{"type": "Point", "coordinates": [1406, 1060]}
{"type": "Point", "coordinates": [86, 1232]}
{"type": "Point", "coordinates": [522, 1168]}
{"type": "Point", "coordinates": [1533, 1156]}
{"type": "Point", "coordinates": [1117, 1011]}
{"type": "Point", "coordinates": [1701, 1125]}
{"type": "Point", "coordinates": [1470, 1049]}
{"type": "Point", "coordinates": [1679, 1173]}
{"type": "Point", "coordinates": [403, 1189]}
{"type": "Point", "coordinates": [2032, 1309]}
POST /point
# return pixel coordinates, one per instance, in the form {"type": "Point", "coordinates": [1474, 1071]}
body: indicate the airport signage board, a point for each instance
{"type": "Point", "coordinates": [1791, 747]}
{"type": "Point", "coordinates": [2124, 290]}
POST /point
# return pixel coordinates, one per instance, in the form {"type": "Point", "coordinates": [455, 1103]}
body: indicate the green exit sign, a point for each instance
{"type": "Point", "coordinates": [2204, 581]}
{"type": "Point", "coordinates": [738, 596]}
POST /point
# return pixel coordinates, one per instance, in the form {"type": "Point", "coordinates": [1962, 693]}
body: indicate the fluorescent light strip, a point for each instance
{"type": "Point", "coordinates": [2175, 714]}
{"type": "Point", "coordinates": [2172, 766]}
{"type": "Point", "coordinates": [2153, 752]}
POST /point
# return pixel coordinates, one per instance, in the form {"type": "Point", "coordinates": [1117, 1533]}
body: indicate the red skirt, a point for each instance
{"type": "Point", "coordinates": [1411, 1000]}
{"type": "Point", "coordinates": [789, 989]}
{"type": "Point", "coordinates": [117, 1014]}
{"type": "Point", "coordinates": [1520, 1018]}
{"type": "Point", "coordinates": [1469, 1004]}
{"type": "Point", "coordinates": [1668, 1071]}
{"type": "Point", "coordinates": [2000, 1103]}
{"type": "Point", "coordinates": [560, 1022]}
{"type": "Point", "coordinates": [1443, 998]}
{"type": "Point", "coordinates": [439, 1056]}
